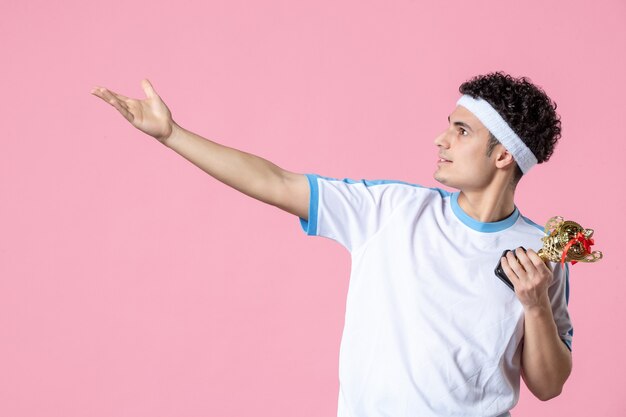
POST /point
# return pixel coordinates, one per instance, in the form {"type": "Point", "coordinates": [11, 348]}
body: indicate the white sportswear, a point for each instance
{"type": "Point", "coordinates": [430, 331]}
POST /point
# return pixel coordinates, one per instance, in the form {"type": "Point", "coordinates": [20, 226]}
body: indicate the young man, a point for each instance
{"type": "Point", "coordinates": [429, 328]}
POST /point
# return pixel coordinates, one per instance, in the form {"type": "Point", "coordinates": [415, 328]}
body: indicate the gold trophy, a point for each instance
{"type": "Point", "coordinates": [565, 241]}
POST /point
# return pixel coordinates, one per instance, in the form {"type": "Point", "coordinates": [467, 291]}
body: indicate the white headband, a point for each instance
{"type": "Point", "coordinates": [492, 120]}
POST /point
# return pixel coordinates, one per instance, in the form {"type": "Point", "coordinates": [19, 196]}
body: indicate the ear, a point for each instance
{"type": "Point", "coordinates": [503, 158]}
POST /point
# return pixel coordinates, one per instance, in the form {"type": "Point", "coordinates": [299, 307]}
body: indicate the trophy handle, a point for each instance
{"type": "Point", "coordinates": [593, 256]}
{"type": "Point", "coordinates": [553, 223]}
{"type": "Point", "coordinates": [544, 256]}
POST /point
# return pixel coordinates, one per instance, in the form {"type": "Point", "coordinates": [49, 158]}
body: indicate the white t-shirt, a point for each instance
{"type": "Point", "coordinates": [430, 330]}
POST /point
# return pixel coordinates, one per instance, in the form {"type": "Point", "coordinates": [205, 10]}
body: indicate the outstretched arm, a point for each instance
{"type": "Point", "coordinates": [546, 361]}
{"type": "Point", "coordinates": [250, 174]}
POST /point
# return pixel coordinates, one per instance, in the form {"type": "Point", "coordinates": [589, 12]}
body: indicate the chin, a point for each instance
{"type": "Point", "coordinates": [446, 182]}
{"type": "Point", "coordinates": [440, 179]}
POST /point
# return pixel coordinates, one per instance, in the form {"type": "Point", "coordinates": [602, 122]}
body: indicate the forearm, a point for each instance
{"type": "Point", "coordinates": [546, 361]}
{"type": "Point", "coordinates": [250, 174]}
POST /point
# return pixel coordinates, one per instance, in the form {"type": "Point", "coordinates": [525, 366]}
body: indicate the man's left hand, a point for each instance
{"type": "Point", "coordinates": [530, 276]}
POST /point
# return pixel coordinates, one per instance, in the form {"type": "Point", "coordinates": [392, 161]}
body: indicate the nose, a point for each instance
{"type": "Point", "coordinates": [442, 140]}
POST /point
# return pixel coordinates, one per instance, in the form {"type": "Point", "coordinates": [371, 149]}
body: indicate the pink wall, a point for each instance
{"type": "Point", "coordinates": [133, 284]}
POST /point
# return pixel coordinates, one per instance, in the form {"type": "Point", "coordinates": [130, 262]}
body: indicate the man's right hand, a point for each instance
{"type": "Point", "coordinates": [149, 115]}
{"type": "Point", "coordinates": [245, 172]}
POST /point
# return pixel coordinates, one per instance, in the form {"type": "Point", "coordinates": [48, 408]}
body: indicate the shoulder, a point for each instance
{"type": "Point", "coordinates": [376, 184]}
{"type": "Point", "coordinates": [531, 226]}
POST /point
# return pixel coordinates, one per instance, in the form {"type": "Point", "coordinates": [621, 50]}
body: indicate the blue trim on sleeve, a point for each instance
{"type": "Point", "coordinates": [310, 225]}
{"type": "Point", "coordinates": [479, 226]}
{"type": "Point", "coordinates": [568, 344]}
{"type": "Point", "coordinates": [570, 332]}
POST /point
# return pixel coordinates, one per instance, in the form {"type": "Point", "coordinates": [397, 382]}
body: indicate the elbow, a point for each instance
{"type": "Point", "coordinates": [548, 386]}
{"type": "Point", "coordinates": [548, 395]}
{"type": "Point", "coordinates": [548, 390]}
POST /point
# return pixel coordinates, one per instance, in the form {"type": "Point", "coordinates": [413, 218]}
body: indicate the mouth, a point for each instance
{"type": "Point", "coordinates": [441, 160]}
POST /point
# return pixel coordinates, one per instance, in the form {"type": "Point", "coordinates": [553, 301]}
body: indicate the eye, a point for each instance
{"type": "Point", "coordinates": [463, 131]}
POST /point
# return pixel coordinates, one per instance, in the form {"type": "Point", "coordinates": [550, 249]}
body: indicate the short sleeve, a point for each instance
{"type": "Point", "coordinates": [559, 298]}
{"type": "Point", "coordinates": [351, 211]}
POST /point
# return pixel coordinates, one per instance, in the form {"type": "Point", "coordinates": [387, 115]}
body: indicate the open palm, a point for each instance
{"type": "Point", "coordinates": [149, 115]}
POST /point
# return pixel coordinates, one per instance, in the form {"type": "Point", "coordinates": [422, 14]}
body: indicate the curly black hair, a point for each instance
{"type": "Point", "coordinates": [524, 106]}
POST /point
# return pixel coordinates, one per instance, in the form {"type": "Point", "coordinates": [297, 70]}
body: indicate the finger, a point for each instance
{"type": "Point", "coordinates": [535, 259]}
{"type": "Point", "coordinates": [121, 97]}
{"type": "Point", "coordinates": [523, 258]}
{"type": "Point", "coordinates": [148, 89]}
{"type": "Point", "coordinates": [514, 264]}
{"type": "Point", "coordinates": [107, 96]}
{"type": "Point", "coordinates": [97, 91]}
{"type": "Point", "coordinates": [113, 99]}
{"type": "Point", "coordinates": [504, 262]}
{"type": "Point", "coordinates": [122, 109]}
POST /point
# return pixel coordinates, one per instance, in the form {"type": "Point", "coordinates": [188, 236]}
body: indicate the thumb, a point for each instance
{"type": "Point", "coordinates": [148, 89]}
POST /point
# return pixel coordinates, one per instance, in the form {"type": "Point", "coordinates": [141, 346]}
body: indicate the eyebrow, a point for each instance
{"type": "Point", "coordinates": [463, 124]}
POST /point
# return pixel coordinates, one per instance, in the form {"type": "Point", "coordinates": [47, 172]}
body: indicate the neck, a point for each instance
{"type": "Point", "coordinates": [492, 204]}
